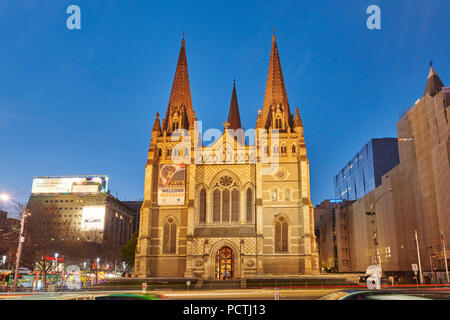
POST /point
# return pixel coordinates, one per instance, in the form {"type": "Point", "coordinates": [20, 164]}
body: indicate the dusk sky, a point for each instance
{"type": "Point", "coordinates": [84, 101]}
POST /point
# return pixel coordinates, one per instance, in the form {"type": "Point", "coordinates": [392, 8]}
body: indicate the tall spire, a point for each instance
{"type": "Point", "coordinates": [157, 125]}
{"type": "Point", "coordinates": [234, 118]}
{"type": "Point", "coordinates": [275, 89]}
{"type": "Point", "coordinates": [180, 95]}
{"type": "Point", "coordinates": [434, 84]}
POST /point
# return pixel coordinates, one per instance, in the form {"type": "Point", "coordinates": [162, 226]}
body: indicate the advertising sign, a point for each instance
{"type": "Point", "coordinates": [93, 218]}
{"type": "Point", "coordinates": [171, 184]}
{"type": "Point", "coordinates": [75, 184]}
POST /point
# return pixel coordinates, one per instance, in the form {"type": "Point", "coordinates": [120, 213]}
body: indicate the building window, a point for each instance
{"type": "Point", "coordinates": [249, 205]}
{"type": "Point", "coordinates": [293, 148]}
{"type": "Point", "coordinates": [169, 152]}
{"type": "Point", "coordinates": [281, 235]}
{"type": "Point", "coordinates": [278, 123]}
{"type": "Point", "coordinates": [216, 205]}
{"type": "Point", "coordinates": [283, 149]}
{"type": "Point", "coordinates": [287, 194]}
{"type": "Point", "coordinates": [235, 205]}
{"type": "Point", "coordinates": [159, 152]}
{"type": "Point", "coordinates": [275, 149]}
{"type": "Point", "coordinates": [274, 195]}
{"type": "Point", "coordinates": [203, 205]}
{"type": "Point", "coordinates": [226, 205]}
{"type": "Point", "coordinates": [175, 125]}
{"type": "Point", "coordinates": [169, 236]}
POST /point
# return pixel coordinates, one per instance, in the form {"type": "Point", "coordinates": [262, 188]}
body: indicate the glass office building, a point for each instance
{"type": "Point", "coordinates": [363, 173]}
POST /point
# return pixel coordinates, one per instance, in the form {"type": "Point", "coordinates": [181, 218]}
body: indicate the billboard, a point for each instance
{"type": "Point", "coordinates": [72, 184]}
{"type": "Point", "coordinates": [93, 218]}
{"type": "Point", "coordinates": [171, 184]}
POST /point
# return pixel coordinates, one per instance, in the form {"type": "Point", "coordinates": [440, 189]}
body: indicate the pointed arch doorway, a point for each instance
{"type": "Point", "coordinates": [224, 264]}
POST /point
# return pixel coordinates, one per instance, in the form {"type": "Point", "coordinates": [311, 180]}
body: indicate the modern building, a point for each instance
{"type": "Point", "coordinates": [80, 208]}
{"type": "Point", "coordinates": [136, 207]}
{"type": "Point", "coordinates": [8, 235]}
{"type": "Point", "coordinates": [228, 208]}
{"type": "Point", "coordinates": [331, 233]}
{"type": "Point", "coordinates": [363, 173]}
{"type": "Point", "coordinates": [412, 197]}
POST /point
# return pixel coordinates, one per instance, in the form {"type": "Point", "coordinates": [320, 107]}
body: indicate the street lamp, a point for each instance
{"type": "Point", "coordinates": [3, 262]}
{"type": "Point", "coordinates": [5, 197]}
{"type": "Point", "coordinates": [56, 264]}
{"type": "Point", "coordinates": [372, 213]}
{"type": "Point", "coordinates": [96, 271]}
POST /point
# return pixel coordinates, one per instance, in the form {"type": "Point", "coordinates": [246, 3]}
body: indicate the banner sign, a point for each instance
{"type": "Point", "coordinates": [71, 184]}
{"type": "Point", "coordinates": [171, 184]}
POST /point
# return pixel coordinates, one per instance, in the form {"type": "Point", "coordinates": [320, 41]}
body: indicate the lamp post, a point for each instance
{"type": "Point", "coordinates": [56, 264]}
{"type": "Point", "coordinates": [3, 262]}
{"type": "Point", "coordinates": [5, 197]}
{"type": "Point", "coordinates": [372, 213]}
{"type": "Point", "coordinates": [96, 271]}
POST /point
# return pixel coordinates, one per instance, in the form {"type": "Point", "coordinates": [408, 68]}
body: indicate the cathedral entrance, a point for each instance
{"type": "Point", "coordinates": [224, 264]}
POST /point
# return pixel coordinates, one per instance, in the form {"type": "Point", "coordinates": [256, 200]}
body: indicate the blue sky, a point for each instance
{"type": "Point", "coordinates": [84, 101]}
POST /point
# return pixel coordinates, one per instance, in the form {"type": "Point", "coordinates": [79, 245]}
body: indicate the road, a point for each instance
{"type": "Point", "coordinates": [239, 294]}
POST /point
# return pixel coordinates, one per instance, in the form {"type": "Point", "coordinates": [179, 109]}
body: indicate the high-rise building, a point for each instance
{"type": "Point", "coordinates": [412, 197]}
{"type": "Point", "coordinates": [80, 209]}
{"type": "Point", "coordinates": [136, 206]}
{"type": "Point", "coordinates": [230, 208]}
{"type": "Point", "coordinates": [363, 173]}
{"type": "Point", "coordinates": [331, 233]}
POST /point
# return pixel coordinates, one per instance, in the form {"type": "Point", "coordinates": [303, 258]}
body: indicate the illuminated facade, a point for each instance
{"type": "Point", "coordinates": [229, 209]}
{"type": "Point", "coordinates": [88, 214]}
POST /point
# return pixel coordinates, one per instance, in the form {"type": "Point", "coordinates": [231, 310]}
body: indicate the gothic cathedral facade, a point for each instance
{"type": "Point", "coordinates": [237, 208]}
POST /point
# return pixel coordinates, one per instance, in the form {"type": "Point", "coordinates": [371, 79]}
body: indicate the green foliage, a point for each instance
{"type": "Point", "coordinates": [128, 251]}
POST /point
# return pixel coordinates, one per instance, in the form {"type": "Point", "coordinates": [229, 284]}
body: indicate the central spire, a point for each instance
{"type": "Point", "coordinates": [275, 94]}
{"type": "Point", "coordinates": [180, 96]}
{"type": "Point", "coordinates": [234, 118]}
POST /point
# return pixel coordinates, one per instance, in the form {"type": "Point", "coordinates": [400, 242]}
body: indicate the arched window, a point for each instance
{"type": "Point", "coordinates": [274, 195]}
{"type": "Point", "coordinates": [235, 205]}
{"type": "Point", "coordinates": [169, 152]}
{"type": "Point", "coordinates": [281, 235]}
{"type": "Point", "coordinates": [283, 149]}
{"type": "Point", "coordinates": [278, 123]}
{"type": "Point", "coordinates": [265, 150]}
{"type": "Point", "coordinates": [175, 125]}
{"type": "Point", "coordinates": [287, 194]}
{"type": "Point", "coordinates": [226, 205]}
{"type": "Point", "coordinates": [169, 236]}
{"type": "Point", "coordinates": [216, 205]}
{"type": "Point", "coordinates": [249, 205]}
{"type": "Point", "coordinates": [203, 205]}
{"type": "Point", "coordinates": [275, 149]}
{"type": "Point", "coordinates": [159, 152]}
{"type": "Point", "coordinates": [293, 148]}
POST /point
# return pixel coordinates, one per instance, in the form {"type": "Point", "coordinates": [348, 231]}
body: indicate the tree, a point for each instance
{"type": "Point", "coordinates": [129, 250]}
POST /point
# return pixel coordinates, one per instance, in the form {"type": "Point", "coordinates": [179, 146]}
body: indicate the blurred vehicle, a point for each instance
{"type": "Point", "coordinates": [384, 295]}
{"type": "Point", "coordinates": [131, 296]}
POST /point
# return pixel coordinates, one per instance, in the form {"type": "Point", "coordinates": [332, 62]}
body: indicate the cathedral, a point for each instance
{"type": "Point", "coordinates": [236, 208]}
